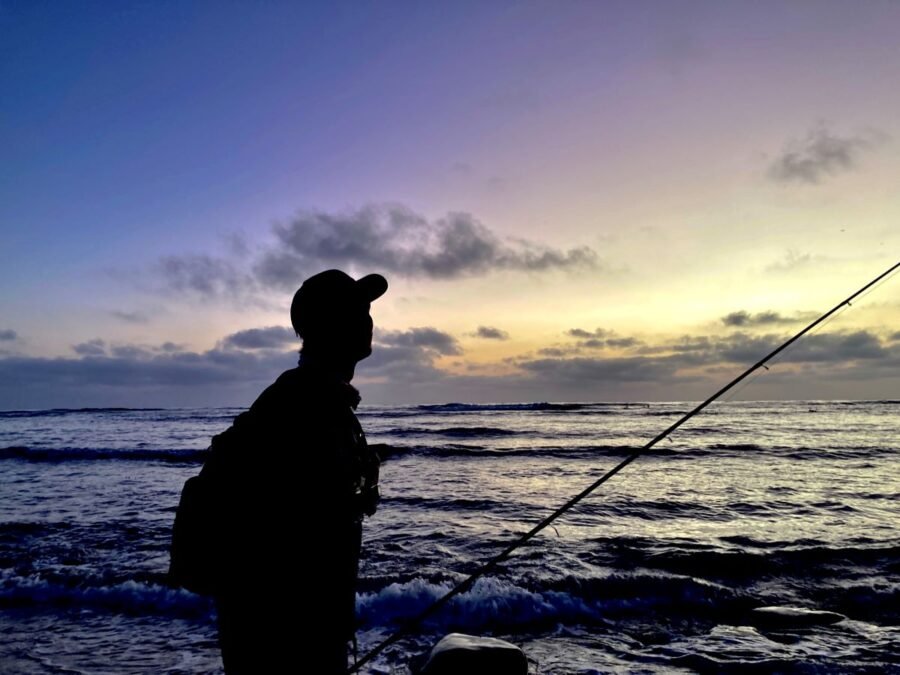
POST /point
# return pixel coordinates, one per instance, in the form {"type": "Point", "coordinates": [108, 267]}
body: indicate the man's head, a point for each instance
{"type": "Point", "coordinates": [330, 312]}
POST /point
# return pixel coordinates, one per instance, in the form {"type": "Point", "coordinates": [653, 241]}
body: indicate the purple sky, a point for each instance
{"type": "Point", "coordinates": [572, 201]}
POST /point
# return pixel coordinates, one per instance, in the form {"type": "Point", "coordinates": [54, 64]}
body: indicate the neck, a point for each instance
{"type": "Point", "coordinates": [336, 364]}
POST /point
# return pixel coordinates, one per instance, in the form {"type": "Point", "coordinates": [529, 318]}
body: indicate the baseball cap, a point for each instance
{"type": "Point", "coordinates": [329, 294]}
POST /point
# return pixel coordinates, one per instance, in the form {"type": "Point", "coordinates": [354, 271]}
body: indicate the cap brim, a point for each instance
{"type": "Point", "coordinates": [372, 286]}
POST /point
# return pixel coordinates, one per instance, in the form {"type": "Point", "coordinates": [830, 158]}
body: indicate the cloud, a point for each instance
{"type": "Point", "coordinates": [232, 373]}
{"type": "Point", "coordinates": [703, 351]}
{"type": "Point", "coordinates": [820, 154]}
{"type": "Point", "coordinates": [835, 347]}
{"type": "Point", "coordinates": [681, 345]}
{"type": "Point", "coordinates": [395, 240]}
{"type": "Point", "coordinates": [401, 365]}
{"type": "Point", "coordinates": [426, 338]}
{"type": "Point", "coordinates": [8, 335]}
{"type": "Point", "coordinates": [130, 352]}
{"type": "Point", "coordinates": [203, 275]}
{"type": "Point", "coordinates": [272, 337]}
{"type": "Point", "coordinates": [95, 347]}
{"type": "Point", "coordinates": [391, 239]}
{"type": "Point", "coordinates": [557, 351]}
{"type": "Point", "coordinates": [134, 375]}
{"type": "Point", "coordinates": [403, 368]}
{"type": "Point", "coordinates": [599, 370]}
{"type": "Point", "coordinates": [623, 343]}
{"type": "Point", "coordinates": [490, 333]}
{"type": "Point", "coordinates": [768, 318]}
{"type": "Point", "coordinates": [600, 338]}
{"type": "Point", "coordinates": [746, 348]}
{"type": "Point", "coordinates": [129, 317]}
{"type": "Point", "coordinates": [586, 334]}
{"type": "Point", "coordinates": [406, 359]}
{"type": "Point", "coordinates": [98, 347]}
{"type": "Point", "coordinates": [689, 359]}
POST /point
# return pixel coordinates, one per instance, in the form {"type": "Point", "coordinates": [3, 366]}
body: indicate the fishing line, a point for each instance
{"type": "Point", "coordinates": [492, 564]}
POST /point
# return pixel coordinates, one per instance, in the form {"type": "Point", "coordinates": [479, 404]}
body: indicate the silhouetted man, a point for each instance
{"type": "Point", "coordinates": [297, 478]}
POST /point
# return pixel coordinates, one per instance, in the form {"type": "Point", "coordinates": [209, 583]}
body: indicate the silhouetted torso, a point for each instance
{"type": "Point", "coordinates": [290, 471]}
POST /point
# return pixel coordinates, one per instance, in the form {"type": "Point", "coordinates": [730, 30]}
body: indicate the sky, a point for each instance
{"type": "Point", "coordinates": [572, 201]}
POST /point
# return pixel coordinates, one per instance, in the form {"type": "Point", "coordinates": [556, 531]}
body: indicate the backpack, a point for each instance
{"type": "Point", "coordinates": [195, 551]}
{"type": "Point", "coordinates": [204, 552]}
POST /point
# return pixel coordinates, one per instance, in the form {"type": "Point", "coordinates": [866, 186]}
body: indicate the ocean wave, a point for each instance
{"type": "Point", "coordinates": [454, 432]}
{"type": "Point", "coordinates": [491, 600]}
{"type": "Point", "coordinates": [58, 412]}
{"type": "Point", "coordinates": [492, 603]}
{"type": "Point", "coordinates": [462, 450]}
{"type": "Point", "coordinates": [506, 407]}
{"type": "Point", "coordinates": [805, 562]}
{"type": "Point", "coordinates": [129, 596]}
{"type": "Point", "coordinates": [478, 451]}
{"type": "Point", "coordinates": [615, 450]}
{"type": "Point", "coordinates": [738, 446]}
{"type": "Point", "coordinates": [453, 504]}
{"type": "Point", "coordinates": [878, 602]}
{"type": "Point", "coordinates": [187, 456]}
{"type": "Point", "coordinates": [680, 584]}
{"type": "Point", "coordinates": [502, 604]}
{"type": "Point", "coordinates": [654, 510]}
{"type": "Point", "coordinates": [832, 453]}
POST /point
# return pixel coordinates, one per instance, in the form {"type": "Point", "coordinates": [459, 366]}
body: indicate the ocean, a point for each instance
{"type": "Point", "coordinates": [751, 504]}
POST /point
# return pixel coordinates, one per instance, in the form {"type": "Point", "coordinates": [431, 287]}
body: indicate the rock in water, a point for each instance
{"type": "Point", "coordinates": [793, 617]}
{"type": "Point", "coordinates": [458, 653]}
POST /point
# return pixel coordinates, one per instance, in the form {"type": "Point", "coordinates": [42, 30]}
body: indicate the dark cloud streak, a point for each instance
{"type": "Point", "coordinates": [587, 334]}
{"type": "Point", "coordinates": [744, 319]}
{"type": "Point", "coordinates": [600, 338]}
{"type": "Point", "coordinates": [272, 337]}
{"type": "Point", "coordinates": [425, 338]}
{"type": "Point", "coordinates": [820, 154]}
{"type": "Point", "coordinates": [204, 276]}
{"type": "Point", "coordinates": [95, 347]}
{"type": "Point", "coordinates": [491, 333]}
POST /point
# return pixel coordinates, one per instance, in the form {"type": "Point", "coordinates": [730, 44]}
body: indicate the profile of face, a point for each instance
{"type": "Point", "coordinates": [347, 335]}
{"type": "Point", "coordinates": [359, 333]}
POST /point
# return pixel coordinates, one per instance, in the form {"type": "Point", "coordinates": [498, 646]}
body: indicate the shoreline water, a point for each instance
{"type": "Point", "coordinates": [754, 504]}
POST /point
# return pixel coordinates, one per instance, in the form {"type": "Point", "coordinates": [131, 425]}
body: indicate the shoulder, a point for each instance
{"type": "Point", "coordinates": [284, 392]}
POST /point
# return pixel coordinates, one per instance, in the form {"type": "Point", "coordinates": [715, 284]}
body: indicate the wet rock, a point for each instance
{"type": "Point", "coordinates": [458, 653]}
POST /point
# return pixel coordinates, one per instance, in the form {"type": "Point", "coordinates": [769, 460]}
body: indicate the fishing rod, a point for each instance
{"type": "Point", "coordinates": [492, 564]}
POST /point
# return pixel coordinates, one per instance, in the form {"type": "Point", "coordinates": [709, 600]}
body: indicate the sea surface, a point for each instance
{"type": "Point", "coordinates": [751, 504]}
